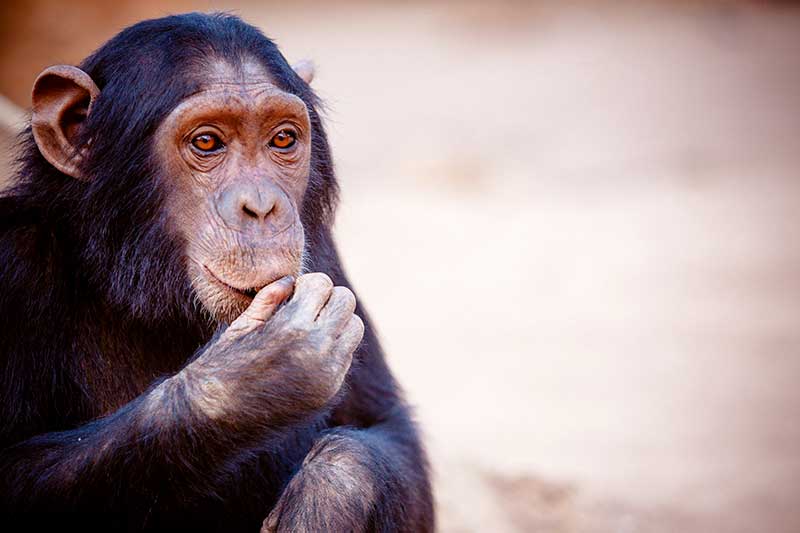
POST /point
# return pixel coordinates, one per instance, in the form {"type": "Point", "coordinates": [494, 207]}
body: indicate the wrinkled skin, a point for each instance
{"type": "Point", "coordinates": [237, 207]}
{"type": "Point", "coordinates": [311, 339]}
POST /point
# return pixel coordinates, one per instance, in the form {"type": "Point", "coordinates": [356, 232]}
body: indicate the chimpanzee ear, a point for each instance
{"type": "Point", "coordinates": [305, 69]}
{"type": "Point", "coordinates": [62, 98]}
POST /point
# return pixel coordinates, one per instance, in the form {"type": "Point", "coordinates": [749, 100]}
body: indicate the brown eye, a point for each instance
{"type": "Point", "coordinates": [207, 142]}
{"type": "Point", "coordinates": [283, 139]}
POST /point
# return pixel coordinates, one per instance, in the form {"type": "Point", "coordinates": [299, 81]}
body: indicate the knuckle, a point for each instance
{"type": "Point", "coordinates": [270, 299]}
{"type": "Point", "coordinates": [286, 333]}
{"type": "Point", "coordinates": [287, 312]}
{"type": "Point", "coordinates": [346, 355]}
{"type": "Point", "coordinates": [239, 329]}
{"type": "Point", "coordinates": [347, 297]}
{"type": "Point", "coordinates": [251, 319]}
{"type": "Point", "coordinates": [325, 279]}
{"type": "Point", "coordinates": [319, 342]}
{"type": "Point", "coordinates": [319, 280]}
{"type": "Point", "coordinates": [358, 325]}
{"type": "Point", "coordinates": [299, 328]}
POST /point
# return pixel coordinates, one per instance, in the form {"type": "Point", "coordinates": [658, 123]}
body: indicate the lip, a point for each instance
{"type": "Point", "coordinates": [247, 293]}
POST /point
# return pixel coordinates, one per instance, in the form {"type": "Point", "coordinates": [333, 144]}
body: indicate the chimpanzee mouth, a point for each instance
{"type": "Point", "coordinates": [248, 293]}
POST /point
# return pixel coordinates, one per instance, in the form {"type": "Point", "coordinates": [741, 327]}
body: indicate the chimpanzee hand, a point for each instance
{"type": "Point", "coordinates": [272, 364]}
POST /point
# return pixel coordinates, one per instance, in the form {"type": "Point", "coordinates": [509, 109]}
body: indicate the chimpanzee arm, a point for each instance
{"type": "Point", "coordinates": [371, 473]}
{"type": "Point", "coordinates": [174, 443]}
{"type": "Point", "coordinates": [120, 460]}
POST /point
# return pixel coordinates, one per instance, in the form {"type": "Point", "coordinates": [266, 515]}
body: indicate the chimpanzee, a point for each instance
{"type": "Point", "coordinates": [178, 343]}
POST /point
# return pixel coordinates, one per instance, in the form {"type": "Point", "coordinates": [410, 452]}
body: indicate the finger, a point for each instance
{"type": "Point", "coordinates": [263, 305]}
{"type": "Point", "coordinates": [346, 345]}
{"type": "Point", "coordinates": [311, 293]}
{"type": "Point", "coordinates": [339, 309]}
{"type": "Point", "coordinates": [351, 337]}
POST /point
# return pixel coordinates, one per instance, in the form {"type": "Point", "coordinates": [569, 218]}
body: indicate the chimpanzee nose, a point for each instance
{"type": "Point", "coordinates": [246, 203]}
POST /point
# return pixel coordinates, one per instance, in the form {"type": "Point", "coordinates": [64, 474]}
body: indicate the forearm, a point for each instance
{"type": "Point", "coordinates": [61, 469]}
{"type": "Point", "coordinates": [371, 479]}
{"type": "Point", "coordinates": [121, 459]}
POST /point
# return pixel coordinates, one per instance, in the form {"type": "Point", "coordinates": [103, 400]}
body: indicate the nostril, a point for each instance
{"type": "Point", "coordinates": [249, 212]}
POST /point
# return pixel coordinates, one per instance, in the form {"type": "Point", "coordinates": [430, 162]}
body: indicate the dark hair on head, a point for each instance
{"type": "Point", "coordinates": [143, 73]}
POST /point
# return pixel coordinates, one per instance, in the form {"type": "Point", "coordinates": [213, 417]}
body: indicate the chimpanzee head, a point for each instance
{"type": "Point", "coordinates": [188, 162]}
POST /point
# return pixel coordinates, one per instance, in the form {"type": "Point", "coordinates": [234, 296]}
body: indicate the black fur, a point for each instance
{"type": "Point", "coordinates": [96, 309]}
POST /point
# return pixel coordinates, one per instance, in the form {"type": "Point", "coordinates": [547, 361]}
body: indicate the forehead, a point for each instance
{"type": "Point", "coordinates": [232, 88]}
{"type": "Point", "coordinates": [220, 73]}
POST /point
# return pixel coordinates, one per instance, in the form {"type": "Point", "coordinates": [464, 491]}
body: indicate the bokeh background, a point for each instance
{"type": "Point", "coordinates": [575, 224]}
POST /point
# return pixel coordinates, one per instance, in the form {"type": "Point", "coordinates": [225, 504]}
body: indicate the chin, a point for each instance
{"type": "Point", "coordinates": [220, 305]}
{"type": "Point", "coordinates": [225, 297]}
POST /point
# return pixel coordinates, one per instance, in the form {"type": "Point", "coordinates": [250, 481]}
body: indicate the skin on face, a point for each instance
{"type": "Point", "coordinates": [237, 157]}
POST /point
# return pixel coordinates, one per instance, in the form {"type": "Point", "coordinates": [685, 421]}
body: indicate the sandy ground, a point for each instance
{"type": "Point", "coordinates": [575, 229]}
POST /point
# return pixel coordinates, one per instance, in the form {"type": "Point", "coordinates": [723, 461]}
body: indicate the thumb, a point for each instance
{"type": "Point", "coordinates": [263, 305]}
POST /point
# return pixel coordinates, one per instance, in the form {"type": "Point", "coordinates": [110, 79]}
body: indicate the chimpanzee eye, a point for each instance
{"type": "Point", "coordinates": [283, 139]}
{"type": "Point", "coordinates": [207, 142]}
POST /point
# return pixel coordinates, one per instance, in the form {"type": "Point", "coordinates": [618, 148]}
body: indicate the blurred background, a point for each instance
{"type": "Point", "coordinates": [575, 226]}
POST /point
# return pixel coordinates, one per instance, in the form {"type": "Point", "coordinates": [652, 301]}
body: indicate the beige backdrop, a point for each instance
{"type": "Point", "coordinates": [576, 230]}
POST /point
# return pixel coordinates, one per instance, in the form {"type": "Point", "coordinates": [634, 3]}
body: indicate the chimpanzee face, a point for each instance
{"type": "Point", "coordinates": [236, 158]}
{"type": "Point", "coordinates": [233, 158]}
